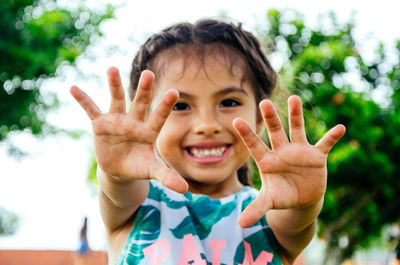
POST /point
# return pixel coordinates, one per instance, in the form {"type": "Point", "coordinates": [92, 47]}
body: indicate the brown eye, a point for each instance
{"type": "Point", "coordinates": [229, 103]}
{"type": "Point", "coordinates": [181, 106]}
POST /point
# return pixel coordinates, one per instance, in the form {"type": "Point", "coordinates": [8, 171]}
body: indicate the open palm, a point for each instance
{"type": "Point", "coordinates": [293, 173]}
{"type": "Point", "coordinates": [124, 141]}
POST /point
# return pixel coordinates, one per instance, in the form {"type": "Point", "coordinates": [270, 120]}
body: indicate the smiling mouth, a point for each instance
{"type": "Point", "coordinates": [207, 152]}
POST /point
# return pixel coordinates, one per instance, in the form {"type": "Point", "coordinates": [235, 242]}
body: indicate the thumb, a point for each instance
{"type": "Point", "coordinates": [169, 178]}
{"type": "Point", "coordinates": [253, 212]}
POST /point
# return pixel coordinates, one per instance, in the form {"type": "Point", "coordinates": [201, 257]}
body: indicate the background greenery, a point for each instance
{"type": "Point", "coordinates": [38, 36]}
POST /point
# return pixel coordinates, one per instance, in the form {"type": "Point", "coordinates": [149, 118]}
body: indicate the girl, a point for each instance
{"type": "Point", "coordinates": [172, 170]}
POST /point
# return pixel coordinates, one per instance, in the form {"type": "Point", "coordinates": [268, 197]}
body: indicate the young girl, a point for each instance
{"type": "Point", "coordinates": [172, 170]}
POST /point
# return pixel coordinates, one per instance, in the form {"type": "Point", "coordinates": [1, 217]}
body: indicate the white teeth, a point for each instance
{"type": "Point", "coordinates": [200, 153]}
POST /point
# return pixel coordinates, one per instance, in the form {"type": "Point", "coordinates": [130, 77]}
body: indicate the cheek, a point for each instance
{"type": "Point", "coordinates": [163, 139]}
{"type": "Point", "coordinates": [168, 141]}
{"type": "Point", "coordinates": [254, 119]}
{"type": "Point", "coordinates": [249, 115]}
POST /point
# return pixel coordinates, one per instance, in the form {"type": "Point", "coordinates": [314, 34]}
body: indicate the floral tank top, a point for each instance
{"type": "Point", "coordinates": [193, 229]}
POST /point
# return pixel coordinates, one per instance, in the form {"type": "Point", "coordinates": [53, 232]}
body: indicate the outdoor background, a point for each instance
{"type": "Point", "coordinates": [341, 57]}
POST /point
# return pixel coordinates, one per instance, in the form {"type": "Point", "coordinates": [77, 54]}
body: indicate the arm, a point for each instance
{"type": "Point", "coordinates": [119, 200]}
{"type": "Point", "coordinates": [293, 175]}
{"type": "Point", "coordinates": [294, 228]}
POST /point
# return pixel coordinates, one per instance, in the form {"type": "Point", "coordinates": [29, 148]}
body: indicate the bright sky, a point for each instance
{"type": "Point", "coordinates": [48, 189]}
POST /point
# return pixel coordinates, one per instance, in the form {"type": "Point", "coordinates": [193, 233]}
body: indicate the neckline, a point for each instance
{"type": "Point", "coordinates": [227, 197]}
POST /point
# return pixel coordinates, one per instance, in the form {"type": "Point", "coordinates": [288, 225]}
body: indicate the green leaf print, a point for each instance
{"type": "Point", "coordinates": [159, 195]}
{"type": "Point", "coordinates": [145, 232]}
{"type": "Point", "coordinates": [262, 240]}
{"type": "Point", "coordinates": [208, 211]}
{"type": "Point", "coordinates": [246, 202]}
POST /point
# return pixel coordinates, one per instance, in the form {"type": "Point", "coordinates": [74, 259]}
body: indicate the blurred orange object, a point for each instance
{"type": "Point", "coordinates": [51, 257]}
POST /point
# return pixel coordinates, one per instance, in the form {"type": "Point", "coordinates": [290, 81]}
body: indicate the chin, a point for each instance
{"type": "Point", "coordinates": [210, 179]}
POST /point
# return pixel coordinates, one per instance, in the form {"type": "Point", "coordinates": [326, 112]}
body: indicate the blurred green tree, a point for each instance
{"type": "Point", "coordinates": [8, 222]}
{"type": "Point", "coordinates": [35, 38]}
{"type": "Point", "coordinates": [364, 167]}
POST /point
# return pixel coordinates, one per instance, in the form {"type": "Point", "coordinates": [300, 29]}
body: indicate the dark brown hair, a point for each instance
{"type": "Point", "coordinates": [236, 45]}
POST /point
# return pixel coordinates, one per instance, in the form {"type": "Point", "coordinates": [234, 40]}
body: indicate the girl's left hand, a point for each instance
{"type": "Point", "coordinates": [293, 173]}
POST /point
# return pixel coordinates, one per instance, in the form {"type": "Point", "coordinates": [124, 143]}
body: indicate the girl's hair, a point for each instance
{"type": "Point", "coordinates": [204, 38]}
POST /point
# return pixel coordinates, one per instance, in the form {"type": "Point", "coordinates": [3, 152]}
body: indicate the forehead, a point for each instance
{"type": "Point", "coordinates": [194, 68]}
{"type": "Point", "coordinates": [201, 55]}
{"type": "Point", "coordinates": [188, 64]}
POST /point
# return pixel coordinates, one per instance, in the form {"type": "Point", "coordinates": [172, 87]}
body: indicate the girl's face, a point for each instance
{"type": "Point", "coordinates": [198, 139]}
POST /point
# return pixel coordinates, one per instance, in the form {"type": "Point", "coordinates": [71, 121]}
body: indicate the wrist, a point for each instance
{"type": "Point", "coordinates": [104, 176]}
{"type": "Point", "coordinates": [314, 207]}
{"type": "Point", "coordinates": [294, 221]}
{"type": "Point", "coordinates": [122, 192]}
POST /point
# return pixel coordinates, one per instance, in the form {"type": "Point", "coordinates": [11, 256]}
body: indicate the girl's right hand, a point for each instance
{"type": "Point", "coordinates": [125, 141]}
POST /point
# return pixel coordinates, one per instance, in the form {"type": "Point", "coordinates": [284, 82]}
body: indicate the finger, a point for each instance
{"type": "Point", "coordinates": [86, 102]}
{"type": "Point", "coordinates": [158, 116]}
{"type": "Point", "coordinates": [296, 121]}
{"type": "Point", "coordinates": [276, 133]}
{"type": "Point", "coordinates": [327, 141]}
{"type": "Point", "coordinates": [143, 95]}
{"type": "Point", "coordinates": [169, 178]}
{"type": "Point", "coordinates": [118, 104]}
{"type": "Point", "coordinates": [253, 143]}
{"type": "Point", "coordinates": [253, 212]}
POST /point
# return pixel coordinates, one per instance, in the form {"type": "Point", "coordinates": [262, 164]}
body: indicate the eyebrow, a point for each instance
{"type": "Point", "coordinates": [218, 93]}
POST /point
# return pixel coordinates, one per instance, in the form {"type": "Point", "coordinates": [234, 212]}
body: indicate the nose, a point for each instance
{"type": "Point", "coordinates": [206, 123]}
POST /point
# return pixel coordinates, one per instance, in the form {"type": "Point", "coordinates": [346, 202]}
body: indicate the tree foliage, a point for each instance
{"type": "Point", "coordinates": [8, 222]}
{"type": "Point", "coordinates": [36, 37]}
{"type": "Point", "coordinates": [364, 166]}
